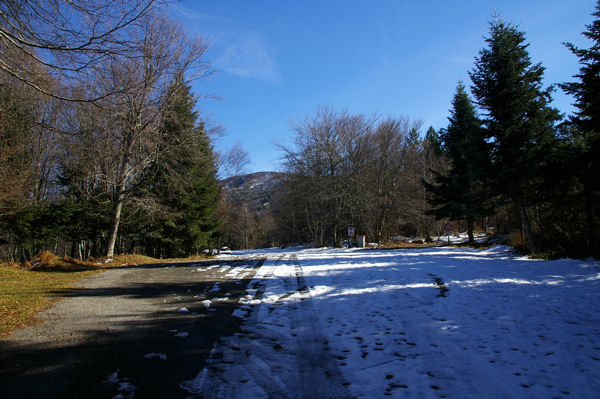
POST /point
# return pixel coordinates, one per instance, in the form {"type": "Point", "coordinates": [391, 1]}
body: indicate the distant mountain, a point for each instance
{"type": "Point", "coordinates": [256, 190]}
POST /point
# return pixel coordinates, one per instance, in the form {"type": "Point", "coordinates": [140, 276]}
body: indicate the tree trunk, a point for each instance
{"type": "Point", "coordinates": [470, 227]}
{"type": "Point", "coordinates": [116, 219]}
{"type": "Point", "coordinates": [527, 228]}
{"type": "Point", "coordinates": [73, 249]}
{"type": "Point", "coordinates": [589, 216]}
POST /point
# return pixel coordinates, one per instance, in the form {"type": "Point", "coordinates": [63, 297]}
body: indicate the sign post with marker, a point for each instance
{"type": "Point", "coordinates": [448, 229]}
{"type": "Point", "coordinates": [350, 235]}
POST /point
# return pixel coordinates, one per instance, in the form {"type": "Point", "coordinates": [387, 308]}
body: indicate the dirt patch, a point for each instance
{"type": "Point", "coordinates": [441, 286]}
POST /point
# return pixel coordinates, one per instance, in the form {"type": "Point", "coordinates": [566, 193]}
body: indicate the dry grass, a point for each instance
{"type": "Point", "coordinates": [25, 292]}
{"type": "Point", "coordinates": [27, 289]}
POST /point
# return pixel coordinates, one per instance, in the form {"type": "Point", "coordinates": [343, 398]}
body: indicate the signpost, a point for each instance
{"type": "Point", "coordinates": [448, 229]}
{"type": "Point", "coordinates": [350, 235]}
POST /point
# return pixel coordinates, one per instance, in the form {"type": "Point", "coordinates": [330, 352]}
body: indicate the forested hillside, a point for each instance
{"type": "Point", "coordinates": [246, 210]}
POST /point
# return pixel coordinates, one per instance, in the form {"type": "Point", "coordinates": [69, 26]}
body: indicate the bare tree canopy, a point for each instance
{"type": "Point", "coordinates": [66, 38]}
{"type": "Point", "coordinates": [236, 161]}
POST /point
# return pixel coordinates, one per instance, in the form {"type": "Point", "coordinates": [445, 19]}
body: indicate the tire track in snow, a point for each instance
{"type": "Point", "coordinates": [283, 352]}
{"type": "Point", "coordinates": [320, 375]}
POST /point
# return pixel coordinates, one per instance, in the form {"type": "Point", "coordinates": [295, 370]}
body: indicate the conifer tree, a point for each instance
{"type": "Point", "coordinates": [462, 193]}
{"type": "Point", "coordinates": [432, 138]}
{"type": "Point", "coordinates": [586, 122]}
{"type": "Point", "coordinates": [183, 180]}
{"type": "Point", "coordinates": [517, 117]}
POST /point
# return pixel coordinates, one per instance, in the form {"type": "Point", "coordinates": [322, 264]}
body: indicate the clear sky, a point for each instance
{"type": "Point", "coordinates": [277, 61]}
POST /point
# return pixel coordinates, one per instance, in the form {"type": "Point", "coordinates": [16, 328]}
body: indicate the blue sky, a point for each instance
{"type": "Point", "coordinates": [277, 61]}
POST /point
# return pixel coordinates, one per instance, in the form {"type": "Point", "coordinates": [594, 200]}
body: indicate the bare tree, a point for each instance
{"type": "Point", "coordinates": [235, 162]}
{"type": "Point", "coordinates": [122, 130]}
{"type": "Point", "coordinates": [352, 170]}
{"type": "Point", "coordinates": [325, 162]}
{"type": "Point", "coordinates": [28, 122]}
{"type": "Point", "coordinates": [68, 38]}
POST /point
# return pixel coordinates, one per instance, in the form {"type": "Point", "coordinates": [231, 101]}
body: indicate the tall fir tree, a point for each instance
{"type": "Point", "coordinates": [463, 192]}
{"type": "Point", "coordinates": [517, 117]}
{"type": "Point", "coordinates": [432, 138]}
{"type": "Point", "coordinates": [183, 181]}
{"type": "Point", "coordinates": [586, 124]}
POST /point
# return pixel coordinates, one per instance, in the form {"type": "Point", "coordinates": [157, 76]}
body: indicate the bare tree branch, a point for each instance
{"type": "Point", "coordinates": [69, 38]}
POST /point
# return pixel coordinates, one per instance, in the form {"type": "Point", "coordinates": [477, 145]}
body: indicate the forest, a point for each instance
{"type": "Point", "coordinates": [103, 150]}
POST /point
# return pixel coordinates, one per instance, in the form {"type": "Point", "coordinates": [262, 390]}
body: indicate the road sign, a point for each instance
{"type": "Point", "coordinates": [350, 231]}
{"type": "Point", "coordinates": [448, 229]}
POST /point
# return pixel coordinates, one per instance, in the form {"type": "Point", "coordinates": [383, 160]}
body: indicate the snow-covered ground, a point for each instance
{"type": "Point", "coordinates": [437, 322]}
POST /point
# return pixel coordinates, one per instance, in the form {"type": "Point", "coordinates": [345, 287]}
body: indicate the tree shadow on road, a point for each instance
{"type": "Point", "coordinates": [126, 347]}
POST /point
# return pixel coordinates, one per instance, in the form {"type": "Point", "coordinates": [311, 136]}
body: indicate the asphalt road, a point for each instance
{"type": "Point", "coordinates": [127, 333]}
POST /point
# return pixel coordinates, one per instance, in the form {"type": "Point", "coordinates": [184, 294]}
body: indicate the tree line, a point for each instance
{"type": "Point", "coordinates": [101, 149]}
{"type": "Point", "coordinates": [507, 160]}
{"type": "Point", "coordinates": [510, 151]}
{"type": "Point", "coordinates": [355, 170]}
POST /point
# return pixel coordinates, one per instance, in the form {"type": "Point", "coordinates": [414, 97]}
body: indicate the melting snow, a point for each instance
{"type": "Point", "coordinates": [433, 322]}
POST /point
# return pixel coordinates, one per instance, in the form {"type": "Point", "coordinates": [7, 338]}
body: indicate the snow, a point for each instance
{"type": "Point", "coordinates": [113, 378]}
{"type": "Point", "coordinates": [431, 322]}
{"type": "Point", "coordinates": [126, 389]}
{"type": "Point", "coordinates": [161, 356]}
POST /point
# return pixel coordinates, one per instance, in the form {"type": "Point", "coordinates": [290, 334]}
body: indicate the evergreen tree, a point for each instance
{"type": "Point", "coordinates": [182, 182]}
{"type": "Point", "coordinates": [432, 139]}
{"type": "Point", "coordinates": [462, 193]}
{"type": "Point", "coordinates": [518, 118]}
{"type": "Point", "coordinates": [586, 123]}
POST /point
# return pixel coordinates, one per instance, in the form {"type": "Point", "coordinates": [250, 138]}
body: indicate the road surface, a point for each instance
{"type": "Point", "coordinates": [129, 332]}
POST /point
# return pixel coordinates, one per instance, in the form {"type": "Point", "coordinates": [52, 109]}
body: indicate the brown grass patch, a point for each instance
{"type": "Point", "coordinates": [25, 292]}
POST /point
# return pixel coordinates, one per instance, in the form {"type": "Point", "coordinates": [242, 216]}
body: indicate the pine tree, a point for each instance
{"type": "Point", "coordinates": [462, 193]}
{"type": "Point", "coordinates": [518, 119]}
{"type": "Point", "coordinates": [432, 138]}
{"type": "Point", "coordinates": [183, 181]}
{"type": "Point", "coordinates": [586, 122]}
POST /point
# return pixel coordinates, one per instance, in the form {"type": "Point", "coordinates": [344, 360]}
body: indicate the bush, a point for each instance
{"type": "Point", "coordinates": [42, 260]}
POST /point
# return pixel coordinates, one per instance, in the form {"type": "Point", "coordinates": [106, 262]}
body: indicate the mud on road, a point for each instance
{"type": "Point", "coordinates": [136, 331]}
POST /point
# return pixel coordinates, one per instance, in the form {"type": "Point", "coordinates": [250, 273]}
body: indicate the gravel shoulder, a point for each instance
{"type": "Point", "coordinates": [131, 331]}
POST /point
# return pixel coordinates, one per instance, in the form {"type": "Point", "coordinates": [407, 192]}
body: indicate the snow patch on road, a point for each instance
{"type": "Point", "coordinates": [126, 389]}
{"type": "Point", "coordinates": [161, 356]}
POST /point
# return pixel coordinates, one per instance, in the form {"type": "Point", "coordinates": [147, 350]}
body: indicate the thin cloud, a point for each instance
{"type": "Point", "coordinates": [249, 57]}
{"type": "Point", "coordinates": [238, 51]}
